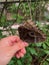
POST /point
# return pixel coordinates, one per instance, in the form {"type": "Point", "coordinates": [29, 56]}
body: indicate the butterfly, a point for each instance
{"type": "Point", "coordinates": [30, 33]}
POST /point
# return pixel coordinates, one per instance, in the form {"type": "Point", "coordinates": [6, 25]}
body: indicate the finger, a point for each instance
{"type": "Point", "coordinates": [26, 44]}
{"type": "Point", "coordinates": [9, 41]}
{"type": "Point", "coordinates": [17, 55]}
{"type": "Point", "coordinates": [21, 54]}
{"type": "Point", "coordinates": [23, 51]}
{"type": "Point", "coordinates": [18, 46]}
{"type": "Point", "coordinates": [14, 38]}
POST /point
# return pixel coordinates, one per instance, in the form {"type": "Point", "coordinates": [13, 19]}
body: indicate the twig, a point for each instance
{"type": "Point", "coordinates": [2, 10]}
{"type": "Point", "coordinates": [17, 10]}
{"type": "Point", "coordinates": [9, 2]}
{"type": "Point", "coordinates": [30, 9]}
{"type": "Point", "coordinates": [43, 59]}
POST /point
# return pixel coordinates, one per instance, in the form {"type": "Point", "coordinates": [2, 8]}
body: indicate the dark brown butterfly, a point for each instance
{"type": "Point", "coordinates": [29, 32]}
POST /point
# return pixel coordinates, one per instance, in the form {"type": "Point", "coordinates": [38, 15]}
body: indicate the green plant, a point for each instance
{"type": "Point", "coordinates": [37, 53]}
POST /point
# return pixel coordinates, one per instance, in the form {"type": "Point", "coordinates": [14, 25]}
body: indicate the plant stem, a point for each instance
{"type": "Point", "coordinates": [43, 59]}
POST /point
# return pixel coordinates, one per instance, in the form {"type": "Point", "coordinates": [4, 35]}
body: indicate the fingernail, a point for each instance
{"type": "Point", "coordinates": [26, 44]}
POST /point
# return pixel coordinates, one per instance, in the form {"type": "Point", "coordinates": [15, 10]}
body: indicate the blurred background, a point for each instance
{"type": "Point", "coordinates": [15, 12]}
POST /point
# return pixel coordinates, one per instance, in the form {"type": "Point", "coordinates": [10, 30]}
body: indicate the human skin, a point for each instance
{"type": "Point", "coordinates": [11, 46]}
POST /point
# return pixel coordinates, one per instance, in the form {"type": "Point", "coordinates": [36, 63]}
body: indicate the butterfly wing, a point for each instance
{"type": "Point", "coordinates": [30, 33]}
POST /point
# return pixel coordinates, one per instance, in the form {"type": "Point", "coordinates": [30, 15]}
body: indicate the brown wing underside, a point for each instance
{"type": "Point", "coordinates": [30, 33]}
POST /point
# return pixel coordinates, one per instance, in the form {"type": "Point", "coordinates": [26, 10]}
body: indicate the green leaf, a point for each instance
{"type": "Point", "coordinates": [47, 59]}
{"type": "Point", "coordinates": [32, 51]}
{"type": "Point", "coordinates": [47, 43]}
{"type": "Point", "coordinates": [44, 46]}
{"type": "Point", "coordinates": [11, 62]}
{"type": "Point", "coordinates": [20, 17]}
{"type": "Point", "coordinates": [45, 63]}
{"type": "Point", "coordinates": [14, 16]}
{"type": "Point", "coordinates": [28, 63]}
{"type": "Point", "coordinates": [46, 51]}
{"type": "Point", "coordinates": [39, 44]}
{"type": "Point", "coordinates": [19, 62]}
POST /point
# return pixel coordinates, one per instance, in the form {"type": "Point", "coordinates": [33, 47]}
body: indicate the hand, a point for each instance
{"type": "Point", "coordinates": [11, 46]}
